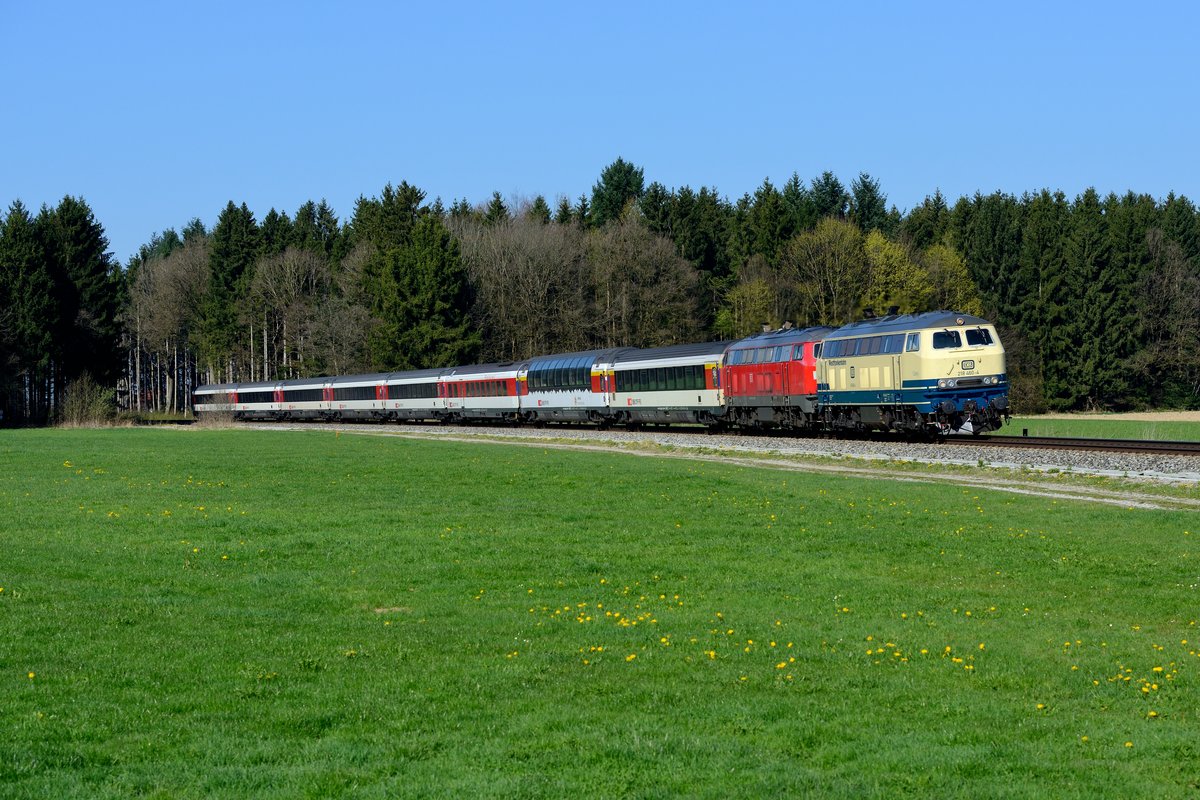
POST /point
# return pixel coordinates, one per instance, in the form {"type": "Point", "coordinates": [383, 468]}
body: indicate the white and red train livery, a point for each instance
{"type": "Point", "coordinates": [936, 372]}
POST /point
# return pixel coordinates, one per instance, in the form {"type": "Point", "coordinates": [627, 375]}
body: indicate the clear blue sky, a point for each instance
{"type": "Point", "coordinates": [159, 112]}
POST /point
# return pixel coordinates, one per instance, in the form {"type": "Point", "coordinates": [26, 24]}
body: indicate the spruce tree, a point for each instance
{"type": "Point", "coordinates": [90, 288]}
{"type": "Point", "coordinates": [539, 210]}
{"type": "Point", "coordinates": [276, 233]}
{"type": "Point", "coordinates": [496, 211]}
{"type": "Point", "coordinates": [28, 318]}
{"type": "Point", "coordinates": [234, 245]}
{"type": "Point", "coordinates": [421, 297]}
{"type": "Point", "coordinates": [868, 205]}
{"type": "Point", "coordinates": [829, 197]}
{"type": "Point", "coordinates": [620, 182]}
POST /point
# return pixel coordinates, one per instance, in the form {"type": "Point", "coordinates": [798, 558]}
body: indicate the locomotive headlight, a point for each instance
{"type": "Point", "coordinates": [947, 383]}
{"type": "Point", "coordinates": [942, 383]}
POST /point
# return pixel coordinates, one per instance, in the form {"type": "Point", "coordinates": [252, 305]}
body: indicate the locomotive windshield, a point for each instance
{"type": "Point", "coordinates": [979, 336]}
{"type": "Point", "coordinates": [976, 337]}
{"type": "Point", "coordinates": [946, 339]}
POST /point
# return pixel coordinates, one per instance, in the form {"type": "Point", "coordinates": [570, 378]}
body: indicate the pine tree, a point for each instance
{"type": "Point", "coordinates": [620, 182]}
{"type": "Point", "coordinates": [422, 297]}
{"type": "Point", "coordinates": [462, 210]}
{"type": "Point", "coordinates": [387, 220]}
{"type": "Point", "coordinates": [656, 206]}
{"type": "Point", "coordinates": [768, 225]}
{"type": "Point", "coordinates": [1040, 272]}
{"type": "Point", "coordinates": [829, 196]}
{"type": "Point", "coordinates": [234, 245]}
{"type": "Point", "coordinates": [582, 212]}
{"type": "Point", "coordinates": [989, 237]}
{"type": "Point", "coordinates": [1128, 221]}
{"type": "Point", "coordinates": [90, 288]}
{"type": "Point", "coordinates": [698, 224]}
{"type": "Point", "coordinates": [798, 201]}
{"type": "Point", "coordinates": [563, 215]}
{"type": "Point", "coordinates": [496, 211]}
{"type": "Point", "coordinates": [868, 205]}
{"type": "Point", "coordinates": [276, 233]}
{"type": "Point", "coordinates": [539, 210]}
{"type": "Point", "coordinates": [1181, 224]}
{"type": "Point", "coordinates": [1076, 317]}
{"type": "Point", "coordinates": [28, 317]}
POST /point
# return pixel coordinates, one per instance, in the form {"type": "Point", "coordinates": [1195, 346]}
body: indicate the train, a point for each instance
{"type": "Point", "coordinates": [926, 375]}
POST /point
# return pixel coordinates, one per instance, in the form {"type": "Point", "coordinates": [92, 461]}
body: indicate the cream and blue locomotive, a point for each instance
{"type": "Point", "coordinates": [931, 373]}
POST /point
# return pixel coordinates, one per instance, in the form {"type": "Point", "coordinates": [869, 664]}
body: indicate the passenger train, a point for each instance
{"type": "Point", "coordinates": [926, 375]}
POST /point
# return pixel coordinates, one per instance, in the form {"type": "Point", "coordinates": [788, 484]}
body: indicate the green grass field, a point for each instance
{"type": "Point", "coordinates": [1116, 428]}
{"type": "Point", "coordinates": [196, 613]}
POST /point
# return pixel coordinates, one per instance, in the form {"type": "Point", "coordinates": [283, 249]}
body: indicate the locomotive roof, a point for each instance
{"type": "Point", "coordinates": [897, 323]}
{"type": "Point", "coordinates": [672, 351]}
{"type": "Point", "coordinates": [781, 336]}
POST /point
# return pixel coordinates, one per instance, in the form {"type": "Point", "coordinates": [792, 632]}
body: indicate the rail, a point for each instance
{"type": "Point", "coordinates": [1143, 446]}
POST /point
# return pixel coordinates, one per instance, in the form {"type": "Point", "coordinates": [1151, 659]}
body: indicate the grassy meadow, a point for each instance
{"type": "Point", "coordinates": [1115, 428]}
{"type": "Point", "coordinates": [232, 613]}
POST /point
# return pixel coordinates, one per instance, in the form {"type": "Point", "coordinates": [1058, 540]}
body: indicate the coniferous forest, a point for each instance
{"type": "Point", "coordinates": [1097, 298]}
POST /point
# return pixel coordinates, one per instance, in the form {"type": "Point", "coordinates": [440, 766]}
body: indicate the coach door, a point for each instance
{"type": "Point", "coordinates": [897, 380]}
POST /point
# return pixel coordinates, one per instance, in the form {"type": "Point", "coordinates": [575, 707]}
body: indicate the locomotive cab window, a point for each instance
{"type": "Point", "coordinates": [946, 339]}
{"type": "Point", "coordinates": [979, 336]}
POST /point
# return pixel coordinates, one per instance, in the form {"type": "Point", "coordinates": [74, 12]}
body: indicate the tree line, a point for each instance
{"type": "Point", "coordinates": [1097, 298]}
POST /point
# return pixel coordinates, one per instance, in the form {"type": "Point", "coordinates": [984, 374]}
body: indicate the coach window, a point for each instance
{"type": "Point", "coordinates": [914, 343]}
{"type": "Point", "coordinates": [946, 339]}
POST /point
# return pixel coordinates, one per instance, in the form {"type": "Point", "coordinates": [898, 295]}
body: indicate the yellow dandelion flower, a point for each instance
{"type": "Point", "coordinates": [631, 657]}
{"type": "Point", "coordinates": [1152, 714]}
{"type": "Point", "coordinates": [1129, 744]}
{"type": "Point", "coordinates": [32, 675]}
{"type": "Point", "coordinates": [1083, 738]}
{"type": "Point", "coordinates": [1041, 706]}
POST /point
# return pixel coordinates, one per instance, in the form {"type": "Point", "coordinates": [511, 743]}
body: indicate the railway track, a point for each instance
{"type": "Point", "coordinates": [1137, 446]}
{"type": "Point", "coordinates": [1143, 446]}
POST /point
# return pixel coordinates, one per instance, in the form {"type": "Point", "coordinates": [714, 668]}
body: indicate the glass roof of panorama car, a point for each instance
{"type": "Point", "coordinates": [907, 322]}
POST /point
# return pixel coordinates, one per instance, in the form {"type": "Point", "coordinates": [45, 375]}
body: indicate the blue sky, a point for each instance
{"type": "Point", "coordinates": [159, 112]}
